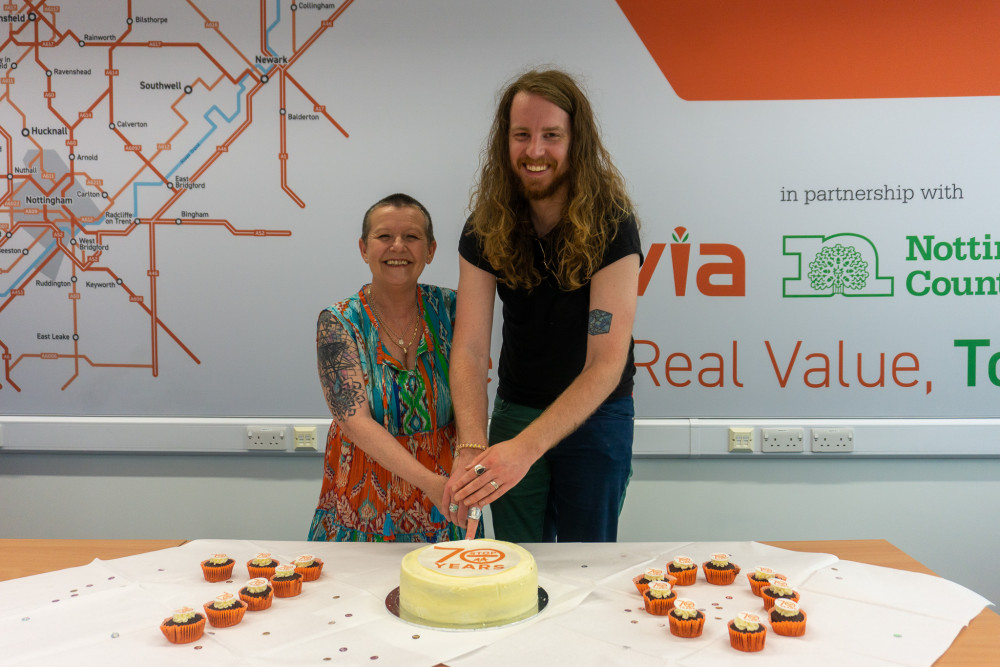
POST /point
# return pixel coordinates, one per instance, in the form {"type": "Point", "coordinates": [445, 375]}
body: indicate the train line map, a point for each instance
{"type": "Point", "coordinates": [115, 118]}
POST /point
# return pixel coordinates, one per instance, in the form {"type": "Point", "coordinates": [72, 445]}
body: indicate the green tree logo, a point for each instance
{"type": "Point", "coordinates": [838, 268]}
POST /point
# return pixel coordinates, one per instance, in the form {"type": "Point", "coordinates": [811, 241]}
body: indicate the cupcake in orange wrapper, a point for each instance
{"type": "Point", "coordinates": [684, 569]}
{"type": "Point", "coordinates": [286, 581]}
{"type": "Point", "coordinates": [258, 594]}
{"type": "Point", "coordinates": [775, 589]}
{"type": "Point", "coordinates": [651, 574]}
{"type": "Point", "coordinates": [685, 619]}
{"type": "Point", "coordinates": [747, 633]}
{"type": "Point", "coordinates": [225, 610]}
{"type": "Point", "coordinates": [261, 565]}
{"type": "Point", "coordinates": [308, 566]}
{"type": "Point", "coordinates": [787, 619]}
{"type": "Point", "coordinates": [659, 598]}
{"type": "Point", "coordinates": [719, 570]}
{"type": "Point", "coordinates": [759, 578]}
{"type": "Point", "coordinates": [218, 567]}
{"type": "Point", "coordinates": [185, 626]}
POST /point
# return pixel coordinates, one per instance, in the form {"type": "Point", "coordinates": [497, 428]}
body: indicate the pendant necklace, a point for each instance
{"type": "Point", "coordinates": [405, 346]}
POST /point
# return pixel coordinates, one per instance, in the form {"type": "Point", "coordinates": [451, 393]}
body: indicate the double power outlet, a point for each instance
{"type": "Point", "coordinates": [792, 440]}
{"type": "Point", "coordinates": [274, 438]}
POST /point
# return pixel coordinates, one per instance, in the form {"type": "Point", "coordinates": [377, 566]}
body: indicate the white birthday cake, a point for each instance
{"type": "Point", "coordinates": [468, 584]}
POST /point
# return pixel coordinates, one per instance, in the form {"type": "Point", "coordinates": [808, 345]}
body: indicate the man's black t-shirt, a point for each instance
{"type": "Point", "coordinates": [545, 329]}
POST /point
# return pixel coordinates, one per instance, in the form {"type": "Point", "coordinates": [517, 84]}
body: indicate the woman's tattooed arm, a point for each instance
{"type": "Point", "coordinates": [339, 368]}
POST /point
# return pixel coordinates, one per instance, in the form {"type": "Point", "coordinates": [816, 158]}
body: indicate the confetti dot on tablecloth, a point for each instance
{"type": "Point", "coordinates": [897, 635]}
{"type": "Point", "coordinates": [26, 618]}
{"type": "Point", "coordinates": [73, 590]}
{"type": "Point", "coordinates": [834, 569]}
{"type": "Point", "coordinates": [628, 611]}
{"type": "Point", "coordinates": [110, 578]}
{"type": "Point", "coordinates": [336, 597]}
{"type": "Point", "coordinates": [729, 597]}
{"type": "Point", "coordinates": [55, 600]}
{"type": "Point", "coordinates": [198, 647]}
{"type": "Point", "coordinates": [90, 585]}
{"type": "Point", "coordinates": [160, 570]}
{"type": "Point", "coordinates": [583, 566]}
{"type": "Point", "coordinates": [327, 659]}
{"type": "Point", "coordinates": [343, 649]}
{"type": "Point", "coordinates": [718, 618]}
{"type": "Point", "coordinates": [74, 595]}
{"type": "Point", "coordinates": [265, 633]}
{"type": "Point", "coordinates": [348, 615]}
{"type": "Point", "coordinates": [415, 637]}
{"type": "Point", "coordinates": [634, 622]}
{"type": "Point", "coordinates": [115, 635]}
{"type": "Point", "coordinates": [374, 657]}
{"type": "Point", "coordinates": [841, 578]}
{"type": "Point", "coordinates": [332, 623]}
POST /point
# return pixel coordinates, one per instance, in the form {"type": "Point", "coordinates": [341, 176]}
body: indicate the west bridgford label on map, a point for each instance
{"type": "Point", "coordinates": [159, 85]}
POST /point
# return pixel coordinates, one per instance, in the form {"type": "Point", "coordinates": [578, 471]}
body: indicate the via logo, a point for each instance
{"type": "Point", "coordinates": [843, 264]}
{"type": "Point", "coordinates": [712, 278]}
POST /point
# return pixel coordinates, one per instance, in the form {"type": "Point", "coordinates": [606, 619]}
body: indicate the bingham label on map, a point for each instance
{"type": "Point", "coordinates": [461, 562]}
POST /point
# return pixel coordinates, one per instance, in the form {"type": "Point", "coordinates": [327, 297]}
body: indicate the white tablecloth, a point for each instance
{"type": "Point", "coordinates": [108, 612]}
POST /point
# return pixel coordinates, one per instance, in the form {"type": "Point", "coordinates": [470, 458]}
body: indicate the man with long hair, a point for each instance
{"type": "Point", "coordinates": [552, 231]}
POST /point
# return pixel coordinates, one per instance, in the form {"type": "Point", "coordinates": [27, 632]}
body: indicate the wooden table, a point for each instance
{"type": "Point", "coordinates": [976, 645]}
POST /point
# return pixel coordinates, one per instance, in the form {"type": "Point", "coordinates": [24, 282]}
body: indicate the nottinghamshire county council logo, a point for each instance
{"type": "Point", "coordinates": [843, 264]}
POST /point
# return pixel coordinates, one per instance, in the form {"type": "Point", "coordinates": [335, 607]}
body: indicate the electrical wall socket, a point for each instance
{"type": "Point", "coordinates": [266, 438]}
{"type": "Point", "coordinates": [782, 440]}
{"type": "Point", "coordinates": [740, 439]}
{"type": "Point", "coordinates": [833, 439]}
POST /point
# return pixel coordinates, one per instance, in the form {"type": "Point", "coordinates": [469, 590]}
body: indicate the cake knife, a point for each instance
{"type": "Point", "coordinates": [475, 514]}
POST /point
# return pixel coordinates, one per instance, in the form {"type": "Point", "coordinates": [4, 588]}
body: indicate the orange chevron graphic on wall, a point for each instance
{"type": "Point", "coordinates": [843, 49]}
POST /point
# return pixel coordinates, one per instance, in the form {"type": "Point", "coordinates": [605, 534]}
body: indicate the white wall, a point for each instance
{"type": "Point", "coordinates": [943, 512]}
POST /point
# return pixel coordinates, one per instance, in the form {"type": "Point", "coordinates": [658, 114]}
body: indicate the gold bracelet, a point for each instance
{"type": "Point", "coordinates": [470, 445]}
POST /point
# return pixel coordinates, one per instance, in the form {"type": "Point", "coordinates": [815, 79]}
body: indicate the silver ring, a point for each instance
{"type": "Point", "coordinates": [453, 507]}
{"type": "Point", "coordinates": [475, 513]}
{"type": "Point", "coordinates": [479, 468]}
{"type": "Point", "coordinates": [493, 483]}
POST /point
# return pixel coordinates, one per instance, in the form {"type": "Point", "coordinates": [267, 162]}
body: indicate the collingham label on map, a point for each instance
{"type": "Point", "coordinates": [462, 562]}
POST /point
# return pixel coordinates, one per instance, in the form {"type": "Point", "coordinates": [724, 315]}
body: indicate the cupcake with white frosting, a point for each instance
{"type": "Point", "coordinates": [258, 594]}
{"type": "Point", "coordinates": [650, 575]}
{"type": "Point", "coordinates": [286, 581]}
{"type": "Point", "coordinates": [777, 589]}
{"type": "Point", "coordinates": [659, 598]}
{"type": "Point", "coordinates": [308, 566]}
{"type": "Point", "coordinates": [217, 567]}
{"type": "Point", "coordinates": [684, 569]}
{"type": "Point", "coordinates": [760, 577]}
{"type": "Point", "coordinates": [719, 570]}
{"type": "Point", "coordinates": [225, 610]}
{"type": "Point", "coordinates": [787, 619]}
{"type": "Point", "coordinates": [685, 619]}
{"type": "Point", "coordinates": [261, 565]}
{"type": "Point", "coordinates": [747, 633]}
{"type": "Point", "coordinates": [184, 626]}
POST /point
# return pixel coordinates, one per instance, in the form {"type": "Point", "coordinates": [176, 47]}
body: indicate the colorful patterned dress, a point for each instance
{"type": "Point", "coordinates": [361, 501]}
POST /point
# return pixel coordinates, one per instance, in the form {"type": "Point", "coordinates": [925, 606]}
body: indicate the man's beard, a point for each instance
{"type": "Point", "coordinates": [539, 193]}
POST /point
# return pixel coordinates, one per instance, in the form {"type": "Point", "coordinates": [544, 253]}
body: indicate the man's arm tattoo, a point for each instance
{"type": "Point", "coordinates": [599, 322]}
{"type": "Point", "coordinates": [339, 368]}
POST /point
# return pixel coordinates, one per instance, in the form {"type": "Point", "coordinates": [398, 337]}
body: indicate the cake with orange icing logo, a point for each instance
{"type": "Point", "coordinates": [468, 584]}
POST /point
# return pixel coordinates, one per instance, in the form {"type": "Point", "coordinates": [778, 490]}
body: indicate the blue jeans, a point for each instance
{"type": "Point", "coordinates": [575, 492]}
